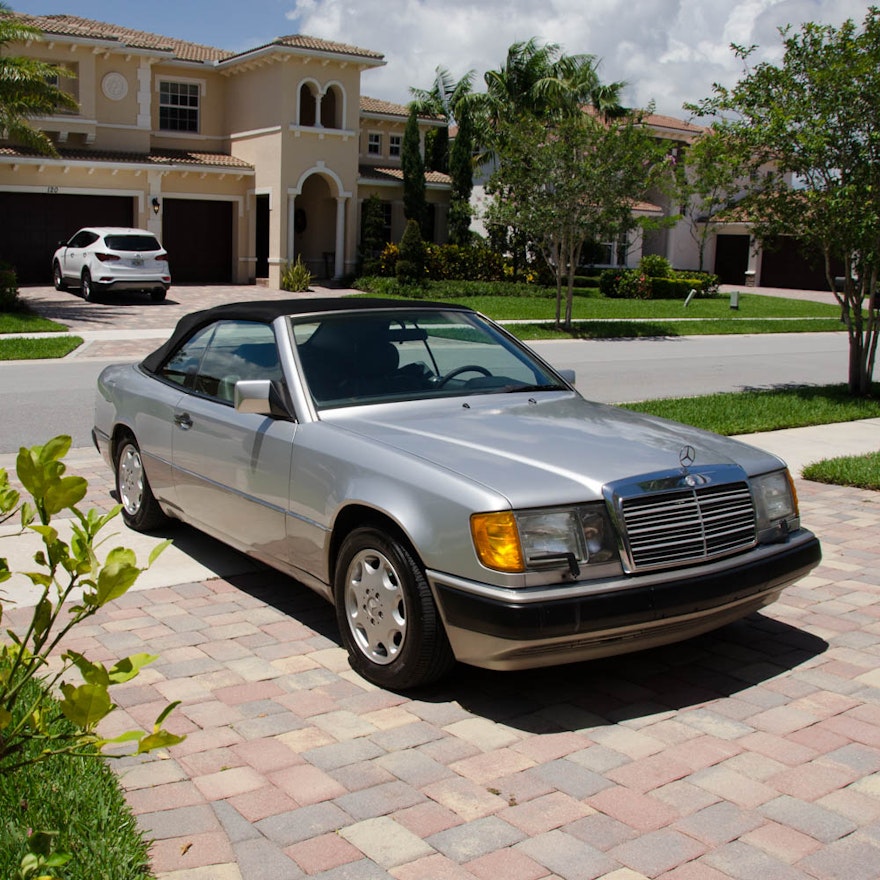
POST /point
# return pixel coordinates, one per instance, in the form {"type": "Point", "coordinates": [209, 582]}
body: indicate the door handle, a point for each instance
{"type": "Point", "coordinates": [183, 421]}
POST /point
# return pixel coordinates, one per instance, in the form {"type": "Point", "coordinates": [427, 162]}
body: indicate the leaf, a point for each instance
{"type": "Point", "coordinates": [85, 705]}
{"type": "Point", "coordinates": [93, 673]}
{"type": "Point", "coordinates": [64, 494]}
{"type": "Point", "coordinates": [42, 617]}
{"type": "Point", "coordinates": [154, 554]}
{"type": "Point", "coordinates": [40, 842]}
{"type": "Point", "coordinates": [164, 714]}
{"type": "Point", "coordinates": [159, 740]}
{"type": "Point", "coordinates": [5, 718]}
{"type": "Point", "coordinates": [128, 668]}
{"type": "Point", "coordinates": [119, 572]}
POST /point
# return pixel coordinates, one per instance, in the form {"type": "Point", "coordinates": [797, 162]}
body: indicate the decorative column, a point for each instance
{"type": "Point", "coordinates": [339, 263]}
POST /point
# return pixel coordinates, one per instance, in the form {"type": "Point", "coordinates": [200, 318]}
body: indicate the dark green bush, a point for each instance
{"type": "Point", "coordinates": [9, 299]}
{"type": "Point", "coordinates": [635, 284]}
{"type": "Point", "coordinates": [609, 280]}
{"type": "Point", "coordinates": [474, 262]}
{"type": "Point", "coordinates": [410, 268]}
{"type": "Point", "coordinates": [655, 266]}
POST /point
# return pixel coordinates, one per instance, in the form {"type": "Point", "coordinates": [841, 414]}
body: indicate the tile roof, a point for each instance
{"type": "Point", "coordinates": [315, 44]}
{"type": "Point", "coordinates": [671, 122]}
{"type": "Point", "coordinates": [386, 108]}
{"type": "Point", "coordinates": [395, 175]}
{"type": "Point", "coordinates": [88, 29]}
{"type": "Point", "coordinates": [154, 157]}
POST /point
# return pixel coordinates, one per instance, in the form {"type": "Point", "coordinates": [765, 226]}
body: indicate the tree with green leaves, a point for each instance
{"type": "Point", "coordinates": [461, 170]}
{"type": "Point", "coordinates": [569, 182]}
{"type": "Point", "coordinates": [410, 268]}
{"type": "Point", "coordinates": [72, 584]}
{"type": "Point", "coordinates": [708, 179]}
{"type": "Point", "coordinates": [441, 101]}
{"type": "Point", "coordinates": [541, 81]}
{"type": "Point", "coordinates": [372, 234]}
{"type": "Point", "coordinates": [28, 86]}
{"type": "Point", "coordinates": [445, 99]}
{"type": "Point", "coordinates": [810, 127]}
{"type": "Point", "coordinates": [413, 167]}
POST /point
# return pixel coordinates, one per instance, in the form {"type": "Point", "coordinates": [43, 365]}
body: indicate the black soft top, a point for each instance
{"type": "Point", "coordinates": [265, 311]}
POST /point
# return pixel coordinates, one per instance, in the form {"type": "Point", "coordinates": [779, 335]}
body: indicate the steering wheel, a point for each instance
{"type": "Point", "coordinates": [467, 368]}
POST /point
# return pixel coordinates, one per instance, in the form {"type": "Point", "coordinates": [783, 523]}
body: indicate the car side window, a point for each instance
{"type": "Point", "coordinates": [213, 360]}
{"type": "Point", "coordinates": [82, 239]}
{"type": "Point", "coordinates": [182, 367]}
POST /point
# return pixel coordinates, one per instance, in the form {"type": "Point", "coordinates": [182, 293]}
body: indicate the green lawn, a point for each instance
{"type": "Point", "coordinates": [748, 412]}
{"type": "Point", "coordinates": [25, 349]}
{"type": "Point", "coordinates": [599, 318]}
{"type": "Point", "coordinates": [81, 799]}
{"type": "Point", "coordinates": [752, 411]}
{"type": "Point", "coordinates": [26, 322]}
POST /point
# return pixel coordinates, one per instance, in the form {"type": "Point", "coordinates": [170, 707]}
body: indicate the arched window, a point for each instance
{"type": "Point", "coordinates": [330, 108]}
{"type": "Point", "coordinates": [307, 105]}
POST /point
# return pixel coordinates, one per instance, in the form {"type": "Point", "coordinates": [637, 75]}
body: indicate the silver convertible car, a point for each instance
{"type": "Point", "coordinates": [447, 490]}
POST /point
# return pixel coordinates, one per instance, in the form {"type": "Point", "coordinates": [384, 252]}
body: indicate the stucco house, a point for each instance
{"type": "Point", "coordinates": [240, 162]}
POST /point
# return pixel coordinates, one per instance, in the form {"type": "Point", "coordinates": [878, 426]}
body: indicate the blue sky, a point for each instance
{"type": "Point", "coordinates": [667, 51]}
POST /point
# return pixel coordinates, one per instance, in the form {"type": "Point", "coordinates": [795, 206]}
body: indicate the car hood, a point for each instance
{"type": "Point", "coordinates": [544, 448]}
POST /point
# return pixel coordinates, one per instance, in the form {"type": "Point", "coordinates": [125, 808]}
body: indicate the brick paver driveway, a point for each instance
{"type": "Point", "coordinates": [752, 752]}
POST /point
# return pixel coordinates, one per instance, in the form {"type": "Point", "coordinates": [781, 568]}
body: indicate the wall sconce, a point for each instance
{"type": "Point", "coordinates": [155, 204]}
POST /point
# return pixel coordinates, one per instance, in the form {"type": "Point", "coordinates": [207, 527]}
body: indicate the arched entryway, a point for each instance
{"type": "Point", "coordinates": [317, 222]}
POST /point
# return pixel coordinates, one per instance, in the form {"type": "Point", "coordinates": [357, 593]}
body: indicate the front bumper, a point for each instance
{"type": "Point", "coordinates": [519, 629]}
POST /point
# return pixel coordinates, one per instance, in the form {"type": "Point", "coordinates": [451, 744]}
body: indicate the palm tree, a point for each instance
{"type": "Point", "coordinates": [540, 81]}
{"type": "Point", "coordinates": [28, 87]}
{"type": "Point", "coordinates": [443, 96]}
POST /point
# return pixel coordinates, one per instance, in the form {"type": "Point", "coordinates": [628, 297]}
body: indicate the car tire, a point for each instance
{"type": "Point", "coordinates": [158, 294]}
{"type": "Point", "coordinates": [140, 510]}
{"type": "Point", "coordinates": [386, 613]}
{"type": "Point", "coordinates": [87, 287]}
{"type": "Point", "coordinates": [58, 277]}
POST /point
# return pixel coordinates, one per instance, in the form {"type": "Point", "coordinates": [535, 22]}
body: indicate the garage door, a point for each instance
{"type": "Point", "coordinates": [785, 264]}
{"type": "Point", "coordinates": [198, 237]}
{"type": "Point", "coordinates": [34, 223]}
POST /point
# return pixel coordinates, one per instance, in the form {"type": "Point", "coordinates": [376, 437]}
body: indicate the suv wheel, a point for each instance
{"type": "Point", "coordinates": [89, 294]}
{"type": "Point", "coordinates": [57, 277]}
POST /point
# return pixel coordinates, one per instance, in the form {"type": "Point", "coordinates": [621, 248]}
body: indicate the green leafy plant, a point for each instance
{"type": "Point", "coordinates": [296, 277]}
{"type": "Point", "coordinates": [73, 585]}
{"type": "Point", "coordinates": [410, 268]}
{"type": "Point", "coordinates": [655, 266]}
{"type": "Point", "coordinates": [9, 299]}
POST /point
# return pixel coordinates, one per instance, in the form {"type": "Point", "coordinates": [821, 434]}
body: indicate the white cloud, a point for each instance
{"type": "Point", "coordinates": [668, 51]}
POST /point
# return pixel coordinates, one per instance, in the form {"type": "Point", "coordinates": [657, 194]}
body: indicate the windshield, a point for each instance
{"type": "Point", "coordinates": [129, 242]}
{"type": "Point", "coordinates": [355, 359]}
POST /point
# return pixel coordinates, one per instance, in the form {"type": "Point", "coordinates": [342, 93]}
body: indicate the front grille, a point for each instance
{"type": "Point", "coordinates": [688, 525]}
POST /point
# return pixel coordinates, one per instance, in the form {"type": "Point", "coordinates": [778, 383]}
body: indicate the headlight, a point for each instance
{"type": "Point", "coordinates": [776, 506]}
{"type": "Point", "coordinates": [518, 541]}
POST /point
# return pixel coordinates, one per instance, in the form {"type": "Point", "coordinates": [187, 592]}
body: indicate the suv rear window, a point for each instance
{"type": "Point", "coordinates": [132, 243]}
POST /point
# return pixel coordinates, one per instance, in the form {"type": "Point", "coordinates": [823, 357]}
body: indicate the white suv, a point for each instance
{"type": "Point", "coordinates": [105, 258]}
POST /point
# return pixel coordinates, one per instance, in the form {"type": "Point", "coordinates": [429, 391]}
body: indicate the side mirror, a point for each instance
{"type": "Point", "coordinates": [569, 376]}
{"type": "Point", "coordinates": [260, 396]}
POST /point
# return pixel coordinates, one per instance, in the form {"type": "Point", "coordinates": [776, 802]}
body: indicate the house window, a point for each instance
{"type": "Point", "coordinates": [394, 144]}
{"type": "Point", "coordinates": [178, 106]}
{"type": "Point", "coordinates": [374, 143]}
